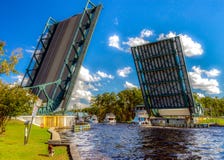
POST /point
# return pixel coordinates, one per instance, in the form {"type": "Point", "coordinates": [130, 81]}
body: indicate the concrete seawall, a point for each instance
{"type": "Point", "coordinates": [57, 141]}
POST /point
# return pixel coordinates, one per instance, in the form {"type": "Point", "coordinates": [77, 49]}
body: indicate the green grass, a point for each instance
{"type": "Point", "coordinates": [216, 120]}
{"type": "Point", "coordinates": [12, 144]}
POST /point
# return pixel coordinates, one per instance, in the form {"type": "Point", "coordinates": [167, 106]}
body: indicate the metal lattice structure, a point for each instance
{"type": "Point", "coordinates": [55, 64]}
{"type": "Point", "coordinates": [163, 75]}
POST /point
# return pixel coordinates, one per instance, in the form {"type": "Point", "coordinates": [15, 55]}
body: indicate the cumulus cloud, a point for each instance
{"type": "Point", "coordinates": [105, 75]}
{"type": "Point", "coordinates": [84, 75]}
{"type": "Point", "coordinates": [129, 85]}
{"type": "Point", "coordinates": [190, 47]}
{"type": "Point", "coordinates": [31, 51]}
{"type": "Point", "coordinates": [18, 79]}
{"type": "Point", "coordinates": [124, 72]}
{"type": "Point", "coordinates": [82, 91]}
{"type": "Point", "coordinates": [135, 41]}
{"type": "Point", "coordinates": [146, 33]}
{"type": "Point", "coordinates": [165, 36]}
{"type": "Point", "coordinates": [199, 79]}
{"type": "Point", "coordinates": [114, 41]}
{"type": "Point", "coordinates": [212, 73]}
{"type": "Point", "coordinates": [200, 95]}
{"type": "Point", "coordinates": [18, 51]}
{"type": "Point", "coordinates": [87, 83]}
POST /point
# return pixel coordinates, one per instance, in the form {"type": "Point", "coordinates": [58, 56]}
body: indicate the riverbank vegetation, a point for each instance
{"type": "Point", "coordinates": [213, 107]}
{"type": "Point", "coordinates": [123, 105]}
{"type": "Point", "coordinates": [12, 144]}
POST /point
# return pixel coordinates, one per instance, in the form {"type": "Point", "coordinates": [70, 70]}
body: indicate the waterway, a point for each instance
{"type": "Point", "coordinates": [124, 142]}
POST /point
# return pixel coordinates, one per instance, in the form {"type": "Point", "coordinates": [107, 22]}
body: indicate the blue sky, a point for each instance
{"type": "Point", "coordinates": [108, 65]}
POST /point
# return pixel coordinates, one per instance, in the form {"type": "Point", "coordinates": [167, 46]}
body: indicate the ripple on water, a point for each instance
{"type": "Point", "coordinates": [123, 141]}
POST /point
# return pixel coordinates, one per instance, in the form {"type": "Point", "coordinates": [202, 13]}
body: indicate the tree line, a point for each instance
{"type": "Point", "coordinates": [213, 107]}
{"type": "Point", "coordinates": [121, 104]}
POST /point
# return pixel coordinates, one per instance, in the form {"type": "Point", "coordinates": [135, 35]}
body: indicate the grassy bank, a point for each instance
{"type": "Point", "coordinates": [213, 120]}
{"type": "Point", "coordinates": [12, 144]}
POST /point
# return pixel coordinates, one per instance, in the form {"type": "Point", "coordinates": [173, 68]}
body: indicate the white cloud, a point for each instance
{"type": "Point", "coordinates": [129, 85]}
{"type": "Point", "coordinates": [84, 75]}
{"type": "Point", "coordinates": [105, 75]}
{"type": "Point", "coordinates": [124, 72]}
{"type": "Point", "coordinates": [212, 73]}
{"type": "Point", "coordinates": [87, 83]}
{"type": "Point", "coordinates": [190, 47]}
{"type": "Point", "coordinates": [18, 51]}
{"type": "Point", "coordinates": [84, 86]}
{"type": "Point", "coordinates": [135, 41]}
{"type": "Point", "coordinates": [200, 95]}
{"type": "Point", "coordinates": [200, 80]}
{"type": "Point", "coordinates": [18, 79]}
{"type": "Point", "coordinates": [169, 35]}
{"type": "Point", "coordinates": [146, 33]}
{"type": "Point", "coordinates": [114, 41]}
{"type": "Point", "coordinates": [29, 51]}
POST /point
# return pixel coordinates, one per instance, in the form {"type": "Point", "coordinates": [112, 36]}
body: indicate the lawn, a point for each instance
{"type": "Point", "coordinates": [12, 144]}
{"type": "Point", "coordinates": [216, 120]}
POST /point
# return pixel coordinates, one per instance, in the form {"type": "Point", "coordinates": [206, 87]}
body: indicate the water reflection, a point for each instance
{"type": "Point", "coordinates": [123, 141]}
{"type": "Point", "coordinates": [159, 143]}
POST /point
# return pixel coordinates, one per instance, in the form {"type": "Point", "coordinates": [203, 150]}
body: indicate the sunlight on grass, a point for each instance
{"type": "Point", "coordinates": [12, 144]}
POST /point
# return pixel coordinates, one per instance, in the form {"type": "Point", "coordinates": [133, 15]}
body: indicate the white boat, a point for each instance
{"type": "Point", "coordinates": [141, 115]}
{"type": "Point", "coordinates": [94, 119]}
{"type": "Point", "coordinates": [110, 118]}
{"type": "Point", "coordinates": [80, 124]}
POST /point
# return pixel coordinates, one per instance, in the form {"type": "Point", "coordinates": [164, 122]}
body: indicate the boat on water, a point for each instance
{"type": "Point", "coordinates": [93, 119]}
{"type": "Point", "coordinates": [80, 124]}
{"type": "Point", "coordinates": [141, 115]}
{"type": "Point", "coordinates": [110, 118]}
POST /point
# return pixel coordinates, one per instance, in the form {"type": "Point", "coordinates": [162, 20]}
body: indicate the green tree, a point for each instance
{"type": "Point", "coordinates": [14, 101]}
{"type": "Point", "coordinates": [128, 99]}
{"type": "Point", "coordinates": [7, 63]}
{"type": "Point", "coordinates": [121, 104]}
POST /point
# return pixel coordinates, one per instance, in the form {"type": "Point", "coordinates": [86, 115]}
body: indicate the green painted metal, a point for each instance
{"type": "Point", "coordinates": [162, 75]}
{"type": "Point", "coordinates": [36, 59]}
{"type": "Point", "coordinates": [180, 76]}
{"type": "Point", "coordinates": [54, 101]}
{"type": "Point", "coordinates": [81, 52]}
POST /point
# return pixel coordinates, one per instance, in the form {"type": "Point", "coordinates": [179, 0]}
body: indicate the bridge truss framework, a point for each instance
{"type": "Point", "coordinates": [55, 64]}
{"type": "Point", "coordinates": [162, 75]}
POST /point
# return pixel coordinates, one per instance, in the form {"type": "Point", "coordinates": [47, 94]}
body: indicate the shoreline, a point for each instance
{"type": "Point", "coordinates": [56, 140]}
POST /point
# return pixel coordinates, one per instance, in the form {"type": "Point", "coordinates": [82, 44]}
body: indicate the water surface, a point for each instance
{"type": "Point", "coordinates": [123, 142]}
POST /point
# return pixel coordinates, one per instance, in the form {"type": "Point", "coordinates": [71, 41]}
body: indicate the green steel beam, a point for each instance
{"type": "Point", "coordinates": [82, 51]}
{"type": "Point", "coordinates": [34, 61]}
{"type": "Point", "coordinates": [86, 31]}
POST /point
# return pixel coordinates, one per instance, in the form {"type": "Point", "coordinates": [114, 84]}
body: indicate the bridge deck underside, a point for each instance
{"type": "Point", "coordinates": [56, 62]}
